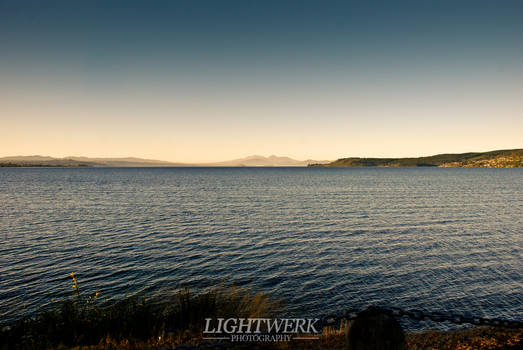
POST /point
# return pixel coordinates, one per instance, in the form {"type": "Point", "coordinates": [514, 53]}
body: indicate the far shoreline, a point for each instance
{"type": "Point", "coordinates": [510, 158]}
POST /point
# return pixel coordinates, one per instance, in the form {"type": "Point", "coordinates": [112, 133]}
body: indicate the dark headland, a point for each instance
{"type": "Point", "coordinates": [512, 158]}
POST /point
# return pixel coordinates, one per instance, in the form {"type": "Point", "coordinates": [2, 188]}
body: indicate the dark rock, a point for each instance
{"type": "Point", "coordinates": [375, 329]}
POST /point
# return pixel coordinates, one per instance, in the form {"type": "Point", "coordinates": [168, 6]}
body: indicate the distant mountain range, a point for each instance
{"type": "Point", "coordinates": [266, 161]}
{"type": "Point", "coordinates": [502, 159]}
{"type": "Point", "coordinates": [511, 158]}
{"type": "Point", "coordinates": [44, 161]}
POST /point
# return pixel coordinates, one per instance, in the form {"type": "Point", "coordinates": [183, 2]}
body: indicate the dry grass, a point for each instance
{"type": "Point", "coordinates": [467, 339]}
{"type": "Point", "coordinates": [134, 322]}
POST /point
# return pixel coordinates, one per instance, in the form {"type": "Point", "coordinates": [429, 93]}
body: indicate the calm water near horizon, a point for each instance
{"type": "Point", "coordinates": [324, 239]}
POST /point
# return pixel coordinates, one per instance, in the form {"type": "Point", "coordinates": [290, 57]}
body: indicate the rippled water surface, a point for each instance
{"type": "Point", "coordinates": [324, 239]}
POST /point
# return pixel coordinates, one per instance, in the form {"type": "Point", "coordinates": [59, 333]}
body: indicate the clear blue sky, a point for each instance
{"type": "Point", "coordinates": [215, 80]}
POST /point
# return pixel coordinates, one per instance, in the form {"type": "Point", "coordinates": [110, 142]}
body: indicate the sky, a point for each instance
{"type": "Point", "coordinates": [198, 81]}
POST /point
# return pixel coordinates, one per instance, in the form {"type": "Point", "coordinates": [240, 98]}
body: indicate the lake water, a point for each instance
{"type": "Point", "coordinates": [324, 239]}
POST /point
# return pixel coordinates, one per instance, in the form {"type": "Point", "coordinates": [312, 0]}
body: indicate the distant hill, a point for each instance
{"type": "Point", "coordinates": [512, 158]}
{"type": "Point", "coordinates": [41, 161]}
{"type": "Point", "coordinates": [73, 161]}
{"type": "Point", "coordinates": [266, 161]}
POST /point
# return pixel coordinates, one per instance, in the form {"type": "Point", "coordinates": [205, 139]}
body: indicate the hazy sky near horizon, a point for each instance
{"type": "Point", "coordinates": [198, 81]}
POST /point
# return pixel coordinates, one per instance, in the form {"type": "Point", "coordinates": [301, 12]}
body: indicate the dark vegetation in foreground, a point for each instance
{"type": "Point", "coordinates": [82, 322]}
{"type": "Point", "coordinates": [496, 159]}
{"type": "Point", "coordinates": [134, 322]}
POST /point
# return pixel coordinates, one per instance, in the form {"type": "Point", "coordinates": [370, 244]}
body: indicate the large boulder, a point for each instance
{"type": "Point", "coordinates": [375, 329]}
